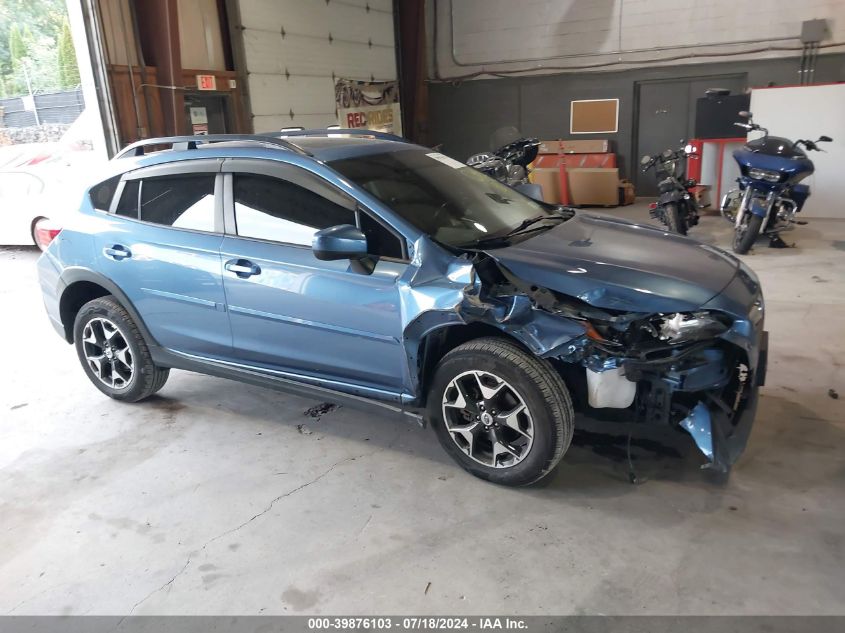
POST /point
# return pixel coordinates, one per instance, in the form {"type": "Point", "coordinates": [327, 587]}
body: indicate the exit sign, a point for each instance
{"type": "Point", "coordinates": [206, 82]}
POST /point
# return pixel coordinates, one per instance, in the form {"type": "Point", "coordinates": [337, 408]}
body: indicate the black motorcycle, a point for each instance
{"type": "Point", "coordinates": [508, 161]}
{"type": "Point", "coordinates": [676, 207]}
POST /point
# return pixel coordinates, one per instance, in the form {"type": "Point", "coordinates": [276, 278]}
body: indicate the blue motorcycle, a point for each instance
{"type": "Point", "coordinates": [769, 194]}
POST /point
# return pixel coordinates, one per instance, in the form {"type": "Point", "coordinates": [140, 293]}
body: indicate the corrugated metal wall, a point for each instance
{"type": "Point", "coordinates": [295, 48]}
{"type": "Point", "coordinates": [53, 107]}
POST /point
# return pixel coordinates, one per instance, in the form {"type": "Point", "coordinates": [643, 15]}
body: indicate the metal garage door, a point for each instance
{"type": "Point", "coordinates": [294, 49]}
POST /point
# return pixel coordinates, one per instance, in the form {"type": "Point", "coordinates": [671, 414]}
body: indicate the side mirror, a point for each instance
{"type": "Point", "coordinates": [343, 241]}
{"type": "Point", "coordinates": [745, 114]}
{"type": "Point", "coordinates": [824, 139]}
{"type": "Point", "coordinates": [644, 160]}
{"type": "Point", "coordinates": [532, 190]}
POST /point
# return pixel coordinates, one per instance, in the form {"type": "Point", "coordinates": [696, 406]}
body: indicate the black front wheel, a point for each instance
{"type": "Point", "coordinates": [499, 411]}
{"type": "Point", "coordinates": [746, 233]}
{"type": "Point", "coordinates": [113, 352]}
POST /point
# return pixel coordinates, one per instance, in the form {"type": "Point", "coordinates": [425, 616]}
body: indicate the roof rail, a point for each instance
{"type": "Point", "coordinates": [384, 136]}
{"type": "Point", "coordinates": [190, 142]}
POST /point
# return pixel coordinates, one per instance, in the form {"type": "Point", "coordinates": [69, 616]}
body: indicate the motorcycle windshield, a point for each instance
{"type": "Point", "coordinates": [775, 146]}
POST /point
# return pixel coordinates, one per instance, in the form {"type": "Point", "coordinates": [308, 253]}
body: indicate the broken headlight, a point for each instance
{"type": "Point", "coordinates": [682, 327]}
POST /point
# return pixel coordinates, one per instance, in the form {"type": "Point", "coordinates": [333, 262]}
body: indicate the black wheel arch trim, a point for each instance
{"type": "Point", "coordinates": [76, 274]}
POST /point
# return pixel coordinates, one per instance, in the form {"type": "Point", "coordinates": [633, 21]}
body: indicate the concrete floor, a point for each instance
{"type": "Point", "coordinates": [219, 498]}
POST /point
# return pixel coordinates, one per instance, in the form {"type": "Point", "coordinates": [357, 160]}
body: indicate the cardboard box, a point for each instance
{"type": "Point", "coordinates": [563, 179]}
{"type": "Point", "coordinates": [549, 180]}
{"type": "Point", "coordinates": [626, 192]}
{"type": "Point", "coordinates": [575, 161]}
{"type": "Point", "coordinates": [585, 146]}
{"type": "Point", "coordinates": [550, 147]}
{"type": "Point", "coordinates": [596, 186]}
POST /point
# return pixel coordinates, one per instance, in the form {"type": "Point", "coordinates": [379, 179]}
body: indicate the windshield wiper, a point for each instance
{"type": "Point", "coordinates": [526, 226]}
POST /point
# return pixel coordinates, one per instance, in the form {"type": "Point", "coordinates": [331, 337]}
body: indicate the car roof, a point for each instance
{"type": "Point", "coordinates": [322, 145]}
{"type": "Point", "coordinates": [336, 147]}
{"type": "Point", "coordinates": [300, 147]}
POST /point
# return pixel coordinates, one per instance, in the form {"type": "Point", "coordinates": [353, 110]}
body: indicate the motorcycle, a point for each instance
{"type": "Point", "coordinates": [769, 194]}
{"type": "Point", "coordinates": [508, 162]}
{"type": "Point", "coordinates": [676, 207]}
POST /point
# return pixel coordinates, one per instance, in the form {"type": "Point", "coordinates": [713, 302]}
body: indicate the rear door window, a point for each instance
{"type": "Point", "coordinates": [184, 201]}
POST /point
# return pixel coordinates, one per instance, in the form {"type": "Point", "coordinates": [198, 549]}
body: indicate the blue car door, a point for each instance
{"type": "Point", "coordinates": [161, 246]}
{"type": "Point", "coordinates": [292, 313]}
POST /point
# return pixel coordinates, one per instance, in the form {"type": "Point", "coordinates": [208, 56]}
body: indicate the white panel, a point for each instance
{"type": "Point", "coordinates": [560, 34]}
{"type": "Point", "coordinates": [293, 72]}
{"type": "Point", "coordinates": [318, 19]}
{"type": "Point", "coordinates": [273, 94]}
{"type": "Point", "coordinates": [776, 108]}
{"type": "Point", "coordinates": [269, 53]}
{"type": "Point", "coordinates": [200, 37]}
{"type": "Point", "coordinates": [119, 32]}
{"type": "Point", "coordinates": [276, 122]}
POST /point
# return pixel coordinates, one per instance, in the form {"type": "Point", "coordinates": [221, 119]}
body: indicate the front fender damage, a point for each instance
{"type": "Point", "coordinates": [705, 387]}
{"type": "Point", "coordinates": [444, 290]}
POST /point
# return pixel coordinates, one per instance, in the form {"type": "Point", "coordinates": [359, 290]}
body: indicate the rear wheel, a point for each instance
{"type": "Point", "coordinates": [499, 411]}
{"type": "Point", "coordinates": [746, 233]}
{"type": "Point", "coordinates": [113, 352]}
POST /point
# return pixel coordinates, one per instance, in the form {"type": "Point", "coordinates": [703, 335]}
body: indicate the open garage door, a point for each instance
{"type": "Point", "coordinates": [294, 51]}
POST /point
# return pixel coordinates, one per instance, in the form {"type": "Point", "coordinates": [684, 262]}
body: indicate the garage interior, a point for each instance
{"type": "Point", "coordinates": [218, 498]}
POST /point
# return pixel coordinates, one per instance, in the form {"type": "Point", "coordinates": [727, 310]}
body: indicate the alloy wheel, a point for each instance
{"type": "Point", "coordinates": [488, 419]}
{"type": "Point", "coordinates": [107, 353]}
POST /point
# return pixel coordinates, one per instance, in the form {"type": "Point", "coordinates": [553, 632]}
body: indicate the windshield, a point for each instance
{"type": "Point", "coordinates": [453, 203]}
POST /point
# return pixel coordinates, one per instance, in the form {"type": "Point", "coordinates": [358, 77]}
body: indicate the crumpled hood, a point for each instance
{"type": "Point", "coordinates": [618, 265]}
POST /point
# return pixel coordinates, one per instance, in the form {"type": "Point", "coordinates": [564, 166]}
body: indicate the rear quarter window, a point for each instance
{"type": "Point", "coordinates": [101, 195]}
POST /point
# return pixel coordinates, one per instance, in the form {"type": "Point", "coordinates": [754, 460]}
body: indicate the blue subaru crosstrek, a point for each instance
{"type": "Point", "coordinates": [361, 269]}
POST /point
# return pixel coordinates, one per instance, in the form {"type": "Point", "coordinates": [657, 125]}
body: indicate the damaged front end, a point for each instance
{"type": "Point", "coordinates": [698, 370]}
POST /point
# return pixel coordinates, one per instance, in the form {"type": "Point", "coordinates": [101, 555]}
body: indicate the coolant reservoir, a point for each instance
{"type": "Point", "coordinates": [610, 389]}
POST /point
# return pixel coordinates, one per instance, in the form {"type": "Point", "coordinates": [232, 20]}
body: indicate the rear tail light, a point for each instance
{"type": "Point", "coordinates": [652, 205]}
{"type": "Point", "coordinates": [45, 231]}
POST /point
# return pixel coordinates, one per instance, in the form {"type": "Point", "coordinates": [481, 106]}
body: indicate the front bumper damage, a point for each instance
{"type": "Point", "coordinates": [720, 433]}
{"type": "Point", "coordinates": [709, 388]}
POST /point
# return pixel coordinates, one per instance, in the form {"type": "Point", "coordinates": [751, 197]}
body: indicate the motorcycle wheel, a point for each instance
{"type": "Point", "coordinates": [673, 219]}
{"type": "Point", "coordinates": [746, 234]}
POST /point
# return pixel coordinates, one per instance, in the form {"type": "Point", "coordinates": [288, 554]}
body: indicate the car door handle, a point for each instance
{"type": "Point", "coordinates": [243, 268]}
{"type": "Point", "coordinates": [117, 252]}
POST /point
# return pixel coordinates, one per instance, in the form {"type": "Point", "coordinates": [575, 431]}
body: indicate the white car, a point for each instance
{"type": "Point", "coordinates": [33, 204]}
{"type": "Point", "coordinates": [22, 208]}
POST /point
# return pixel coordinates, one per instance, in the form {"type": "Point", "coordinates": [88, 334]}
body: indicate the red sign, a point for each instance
{"type": "Point", "coordinates": [206, 82]}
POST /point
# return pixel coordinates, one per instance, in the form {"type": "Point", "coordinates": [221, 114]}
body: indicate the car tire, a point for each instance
{"type": "Point", "coordinates": [113, 352]}
{"type": "Point", "coordinates": [493, 372]}
{"type": "Point", "coordinates": [744, 240]}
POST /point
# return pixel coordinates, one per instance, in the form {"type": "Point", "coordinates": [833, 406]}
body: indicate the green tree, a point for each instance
{"type": "Point", "coordinates": [68, 70]}
{"type": "Point", "coordinates": [18, 49]}
{"type": "Point", "coordinates": [38, 24]}
{"type": "Point", "coordinates": [18, 52]}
